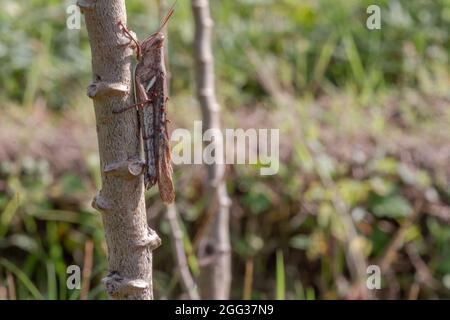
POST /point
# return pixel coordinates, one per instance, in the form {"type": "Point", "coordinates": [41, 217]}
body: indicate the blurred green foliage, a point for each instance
{"type": "Point", "coordinates": [366, 120]}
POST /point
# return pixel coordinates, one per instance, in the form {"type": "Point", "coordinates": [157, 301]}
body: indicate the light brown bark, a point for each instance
{"type": "Point", "coordinates": [121, 200]}
{"type": "Point", "coordinates": [215, 277]}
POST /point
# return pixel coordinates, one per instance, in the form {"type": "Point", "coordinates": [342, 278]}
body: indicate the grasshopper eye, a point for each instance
{"type": "Point", "coordinates": [160, 39]}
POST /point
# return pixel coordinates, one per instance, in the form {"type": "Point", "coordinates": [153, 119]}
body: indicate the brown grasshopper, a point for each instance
{"type": "Point", "coordinates": [150, 93]}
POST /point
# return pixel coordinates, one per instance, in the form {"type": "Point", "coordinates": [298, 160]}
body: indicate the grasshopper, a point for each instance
{"type": "Point", "coordinates": [150, 94]}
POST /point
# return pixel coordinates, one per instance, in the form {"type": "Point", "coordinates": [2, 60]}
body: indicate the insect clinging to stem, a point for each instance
{"type": "Point", "coordinates": [150, 94]}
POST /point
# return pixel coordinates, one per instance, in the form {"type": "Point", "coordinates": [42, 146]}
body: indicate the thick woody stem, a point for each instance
{"type": "Point", "coordinates": [215, 249]}
{"type": "Point", "coordinates": [121, 200]}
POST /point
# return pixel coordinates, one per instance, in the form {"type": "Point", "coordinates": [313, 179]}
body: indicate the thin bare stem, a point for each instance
{"type": "Point", "coordinates": [176, 233]}
{"type": "Point", "coordinates": [215, 248]}
{"type": "Point", "coordinates": [3, 293]}
{"type": "Point", "coordinates": [87, 269]}
{"type": "Point", "coordinates": [248, 279]}
{"type": "Point", "coordinates": [11, 286]}
{"type": "Point", "coordinates": [396, 242]}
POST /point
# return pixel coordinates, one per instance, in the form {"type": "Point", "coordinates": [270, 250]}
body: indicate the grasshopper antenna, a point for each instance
{"type": "Point", "coordinates": [167, 17]}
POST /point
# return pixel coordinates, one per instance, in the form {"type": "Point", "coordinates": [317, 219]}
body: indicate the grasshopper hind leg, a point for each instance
{"type": "Point", "coordinates": [149, 180]}
{"type": "Point", "coordinates": [150, 176]}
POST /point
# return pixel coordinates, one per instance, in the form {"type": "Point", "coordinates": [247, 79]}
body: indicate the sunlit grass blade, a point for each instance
{"type": "Point", "coordinates": [281, 277]}
{"type": "Point", "coordinates": [52, 291]}
{"type": "Point", "coordinates": [62, 278]}
{"type": "Point", "coordinates": [8, 214]}
{"type": "Point", "coordinates": [97, 292]}
{"type": "Point", "coordinates": [22, 277]}
{"type": "Point", "coordinates": [323, 61]}
{"type": "Point", "coordinates": [37, 68]}
{"type": "Point", "coordinates": [189, 251]}
{"type": "Point", "coordinates": [299, 290]}
{"type": "Point", "coordinates": [354, 59]}
{"type": "Point", "coordinates": [310, 294]}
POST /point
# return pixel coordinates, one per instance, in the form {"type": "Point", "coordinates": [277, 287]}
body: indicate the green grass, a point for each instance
{"type": "Point", "coordinates": [368, 110]}
{"type": "Point", "coordinates": [281, 277]}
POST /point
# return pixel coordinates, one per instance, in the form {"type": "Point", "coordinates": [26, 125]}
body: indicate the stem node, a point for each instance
{"type": "Point", "coordinates": [102, 88]}
{"type": "Point", "coordinates": [101, 204]}
{"type": "Point", "coordinates": [128, 169]}
{"type": "Point", "coordinates": [151, 241]}
{"type": "Point", "coordinates": [86, 5]}
{"type": "Point", "coordinates": [118, 286]}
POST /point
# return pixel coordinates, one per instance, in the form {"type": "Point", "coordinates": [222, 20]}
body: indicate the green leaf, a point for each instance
{"type": "Point", "coordinates": [392, 206]}
{"type": "Point", "coordinates": [300, 242]}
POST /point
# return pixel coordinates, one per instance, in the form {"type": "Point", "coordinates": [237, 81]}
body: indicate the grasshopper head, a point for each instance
{"type": "Point", "coordinates": [153, 43]}
{"type": "Point", "coordinates": [156, 41]}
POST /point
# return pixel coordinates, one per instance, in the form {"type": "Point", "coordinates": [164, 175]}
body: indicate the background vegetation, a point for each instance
{"type": "Point", "coordinates": [364, 123]}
